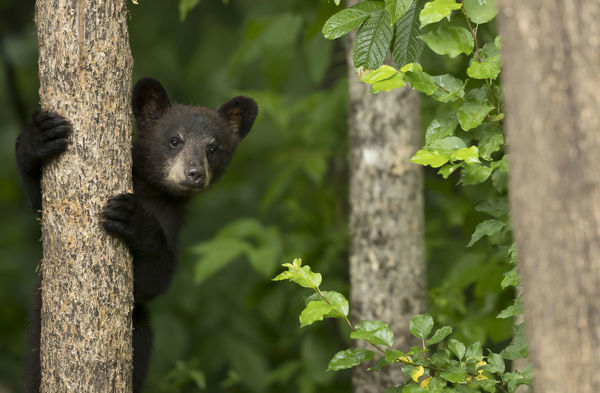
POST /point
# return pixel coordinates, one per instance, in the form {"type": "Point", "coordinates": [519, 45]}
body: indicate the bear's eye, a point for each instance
{"type": "Point", "coordinates": [175, 141]}
{"type": "Point", "coordinates": [212, 149]}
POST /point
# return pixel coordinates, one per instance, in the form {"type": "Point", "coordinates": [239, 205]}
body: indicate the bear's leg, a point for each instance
{"type": "Point", "coordinates": [32, 358]}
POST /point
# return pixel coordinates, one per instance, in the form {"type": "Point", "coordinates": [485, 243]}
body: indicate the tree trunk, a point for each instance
{"type": "Point", "coordinates": [87, 278]}
{"type": "Point", "coordinates": [387, 261]}
{"type": "Point", "coordinates": [551, 57]}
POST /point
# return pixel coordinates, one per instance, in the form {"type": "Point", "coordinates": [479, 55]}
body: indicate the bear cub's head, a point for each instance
{"type": "Point", "coordinates": [181, 149]}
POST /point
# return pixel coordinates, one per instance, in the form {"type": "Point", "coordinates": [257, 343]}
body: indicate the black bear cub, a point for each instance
{"type": "Point", "coordinates": [178, 151]}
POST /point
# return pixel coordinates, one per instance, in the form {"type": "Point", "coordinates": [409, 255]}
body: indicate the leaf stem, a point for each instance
{"type": "Point", "coordinates": [472, 31]}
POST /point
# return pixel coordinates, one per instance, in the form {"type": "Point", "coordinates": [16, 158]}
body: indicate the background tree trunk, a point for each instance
{"type": "Point", "coordinates": [551, 57]}
{"type": "Point", "coordinates": [387, 259]}
{"type": "Point", "coordinates": [87, 279]}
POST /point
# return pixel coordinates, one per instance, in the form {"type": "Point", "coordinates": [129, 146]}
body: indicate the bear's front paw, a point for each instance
{"type": "Point", "coordinates": [123, 216]}
{"type": "Point", "coordinates": [46, 137]}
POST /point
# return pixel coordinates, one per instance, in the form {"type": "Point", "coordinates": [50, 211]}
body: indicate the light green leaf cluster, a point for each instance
{"type": "Point", "coordinates": [436, 10]}
{"type": "Point", "coordinates": [301, 275]}
{"type": "Point", "coordinates": [375, 332]}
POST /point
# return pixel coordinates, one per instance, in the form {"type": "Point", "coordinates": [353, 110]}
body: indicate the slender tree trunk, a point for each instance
{"type": "Point", "coordinates": [87, 280]}
{"type": "Point", "coordinates": [387, 261]}
{"type": "Point", "coordinates": [552, 79]}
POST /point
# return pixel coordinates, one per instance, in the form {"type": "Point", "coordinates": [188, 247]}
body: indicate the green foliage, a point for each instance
{"type": "Point", "coordinates": [450, 366]}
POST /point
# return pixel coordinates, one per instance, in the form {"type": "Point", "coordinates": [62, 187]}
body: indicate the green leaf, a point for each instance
{"type": "Point", "coordinates": [474, 174]}
{"type": "Point", "coordinates": [373, 41]}
{"type": "Point", "coordinates": [378, 75]}
{"type": "Point", "coordinates": [511, 279]}
{"type": "Point", "coordinates": [454, 374]}
{"type": "Point", "coordinates": [349, 358]}
{"type": "Point", "coordinates": [490, 138]}
{"type": "Point", "coordinates": [405, 45]}
{"type": "Point", "coordinates": [518, 378]}
{"type": "Point", "coordinates": [472, 113]}
{"type": "Point", "coordinates": [343, 22]}
{"type": "Point", "coordinates": [457, 348]}
{"type": "Point", "coordinates": [518, 347]}
{"type": "Point", "coordinates": [467, 154]}
{"type": "Point", "coordinates": [392, 83]}
{"type": "Point", "coordinates": [449, 40]}
{"type": "Point", "coordinates": [486, 228]}
{"type": "Point", "coordinates": [420, 81]}
{"type": "Point", "coordinates": [436, 10]}
{"type": "Point", "coordinates": [441, 127]}
{"type": "Point", "coordinates": [439, 335]}
{"type": "Point", "coordinates": [481, 11]}
{"type": "Point", "coordinates": [513, 310]}
{"type": "Point", "coordinates": [301, 275]}
{"type": "Point", "coordinates": [489, 67]}
{"type": "Point", "coordinates": [375, 332]}
{"type": "Point", "coordinates": [421, 325]}
{"type": "Point", "coordinates": [474, 352]}
{"type": "Point", "coordinates": [216, 254]}
{"type": "Point", "coordinates": [339, 304]}
{"type": "Point", "coordinates": [495, 363]}
{"type": "Point", "coordinates": [397, 8]}
{"type": "Point", "coordinates": [448, 169]}
{"type": "Point", "coordinates": [447, 146]}
{"type": "Point", "coordinates": [449, 88]}
{"type": "Point", "coordinates": [313, 312]}
{"type": "Point", "coordinates": [426, 157]}
{"type": "Point", "coordinates": [496, 207]}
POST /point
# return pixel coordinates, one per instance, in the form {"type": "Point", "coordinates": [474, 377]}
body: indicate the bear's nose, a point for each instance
{"type": "Point", "coordinates": [195, 175]}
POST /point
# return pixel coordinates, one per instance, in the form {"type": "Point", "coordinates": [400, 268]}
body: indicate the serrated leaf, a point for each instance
{"type": "Point", "coordinates": [421, 325]}
{"type": "Point", "coordinates": [301, 275]}
{"type": "Point", "coordinates": [513, 310]}
{"type": "Point", "coordinates": [426, 157]}
{"type": "Point", "coordinates": [373, 41]}
{"type": "Point", "coordinates": [343, 22]}
{"type": "Point", "coordinates": [405, 46]}
{"type": "Point", "coordinates": [481, 12]}
{"type": "Point", "coordinates": [457, 348]}
{"type": "Point", "coordinates": [469, 155]}
{"type": "Point", "coordinates": [439, 335]}
{"type": "Point", "coordinates": [449, 40]}
{"type": "Point", "coordinates": [486, 228]}
{"type": "Point", "coordinates": [491, 140]}
{"type": "Point", "coordinates": [454, 374]}
{"type": "Point", "coordinates": [349, 358]}
{"type": "Point", "coordinates": [375, 332]}
{"type": "Point", "coordinates": [441, 127]}
{"type": "Point", "coordinates": [436, 10]}
{"type": "Point", "coordinates": [474, 352]}
{"type": "Point", "coordinates": [397, 8]}
{"type": "Point", "coordinates": [339, 304]}
{"type": "Point", "coordinates": [313, 312]}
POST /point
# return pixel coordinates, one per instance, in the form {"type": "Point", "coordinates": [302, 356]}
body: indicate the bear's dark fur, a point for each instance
{"type": "Point", "coordinates": [178, 151]}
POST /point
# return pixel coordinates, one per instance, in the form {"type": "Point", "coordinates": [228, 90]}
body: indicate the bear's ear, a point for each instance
{"type": "Point", "coordinates": [149, 101]}
{"type": "Point", "coordinates": [240, 113]}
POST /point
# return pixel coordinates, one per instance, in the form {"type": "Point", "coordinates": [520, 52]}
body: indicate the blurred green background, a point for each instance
{"type": "Point", "coordinates": [223, 324]}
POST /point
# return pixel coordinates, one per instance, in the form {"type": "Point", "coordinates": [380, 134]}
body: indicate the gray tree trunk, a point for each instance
{"type": "Point", "coordinates": [552, 80]}
{"type": "Point", "coordinates": [87, 278]}
{"type": "Point", "coordinates": [387, 259]}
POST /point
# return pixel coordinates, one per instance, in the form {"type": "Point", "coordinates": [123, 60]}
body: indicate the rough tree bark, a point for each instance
{"type": "Point", "coordinates": [551, 57]}
{"type": "Point", "coordinates": [87, 280]}
{"type": "Point", "coordinates": [387, 261]}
